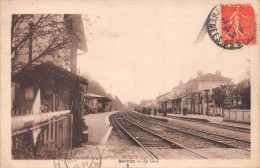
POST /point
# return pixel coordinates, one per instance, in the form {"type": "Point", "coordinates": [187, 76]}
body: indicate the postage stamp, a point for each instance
{"type": "Point", "coordinates": [232, 26]}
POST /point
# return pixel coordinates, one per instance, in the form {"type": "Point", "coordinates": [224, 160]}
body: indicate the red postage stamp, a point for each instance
{"type": "Point", "coordinates": [238, 24]}
{"type": "Point", "coordinates": [232, 25]}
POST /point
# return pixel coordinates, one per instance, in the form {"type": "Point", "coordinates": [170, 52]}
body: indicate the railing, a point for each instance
{"type": "Point", "coordinates": [54, 138]}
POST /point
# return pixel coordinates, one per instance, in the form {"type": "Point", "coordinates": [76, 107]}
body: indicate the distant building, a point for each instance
{"type": "Point", "coordinates": [164, 100]}
{"type": "Point", "coordinates": [95, 103]}
{"type": "Point", "coordinates": [194, 96]}
{"type": "Point", "coordinates": [198, 91]}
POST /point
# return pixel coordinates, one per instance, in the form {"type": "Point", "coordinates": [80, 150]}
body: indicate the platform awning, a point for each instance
{"type": "Point", "coordinates": [99, 97]}
{"type": "Point", "coordinates": [34, 73]}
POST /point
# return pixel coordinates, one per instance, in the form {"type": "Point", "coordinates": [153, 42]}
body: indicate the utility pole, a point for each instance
{"type": "Point", "coordinates": [30, 42]}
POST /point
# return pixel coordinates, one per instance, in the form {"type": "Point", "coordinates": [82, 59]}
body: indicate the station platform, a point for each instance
{"type": "Point", "coordinates": [99, 132]}
{"type": "Point", "coordinates": [201, 118]}
{"type": "Point", "coordinates": [99, 127]}
{"type": "Point", "coordinates": [103, 141]}
{"type": "Point", "coordinates": [213, 119]}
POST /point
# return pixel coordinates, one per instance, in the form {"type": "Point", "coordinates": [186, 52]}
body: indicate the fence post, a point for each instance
{"type": "Point", "coordinates": [243, 115]}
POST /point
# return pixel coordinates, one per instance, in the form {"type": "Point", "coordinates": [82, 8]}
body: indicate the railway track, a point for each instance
{"type": "Point", "coordinates": [233, 128]}
{"type": "Point", "coordinates": [228, 142]}
{"type": "Point", "coordinates": [150, 141]}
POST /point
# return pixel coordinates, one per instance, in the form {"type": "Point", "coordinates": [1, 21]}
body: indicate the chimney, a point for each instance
{"type": "Point", "coordinates": [200, 73]}
{"type": "Point", "coordinates": [180, 83]}
{"type": "Point", "coordinates": [218, 73]}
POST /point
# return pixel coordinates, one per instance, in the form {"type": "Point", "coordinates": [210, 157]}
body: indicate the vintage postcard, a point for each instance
{"type": "Point", "coordinates": [129, 84]}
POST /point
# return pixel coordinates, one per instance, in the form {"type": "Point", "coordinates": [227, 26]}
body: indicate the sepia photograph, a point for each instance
{"type": "Point", "coordinates": [129, 84]}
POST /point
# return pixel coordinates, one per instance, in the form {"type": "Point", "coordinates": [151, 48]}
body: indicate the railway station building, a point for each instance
{"type": "Point", "coordinates": [194, 96]}
{"type": "Point", "coordinates": [48, 94]}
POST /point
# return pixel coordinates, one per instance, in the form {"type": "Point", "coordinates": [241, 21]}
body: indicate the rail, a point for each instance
{"type": "Point", "coordinates": [159, 136]}
{"type": "Point", "coordinates": [142, 146]}
{"type": "Point", "coordinates": [200, 136]}
{"type": "Point", "coordinates": [166, 139]}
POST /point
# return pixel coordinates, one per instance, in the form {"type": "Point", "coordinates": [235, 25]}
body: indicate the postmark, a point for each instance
{"type": "Point", "coordinates": [85, 157]}
{"type": "Point", "coordinates": [232, 26]}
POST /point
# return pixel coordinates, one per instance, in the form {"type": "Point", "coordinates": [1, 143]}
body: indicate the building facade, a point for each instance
{"type": "Point", "coordinates": [194, 96]}
{"type": "Point", "coordinates": [164, 100]}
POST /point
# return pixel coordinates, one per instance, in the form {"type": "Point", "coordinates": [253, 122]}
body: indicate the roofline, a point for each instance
{"type": "Point", "coordinates": [164, 94]}
{"type": "Point", "coordinates": [82, 79]}
{"type": "Point", "coordinates": [198, 79]}
{"type": "Point", "coordinates": [98, 96]}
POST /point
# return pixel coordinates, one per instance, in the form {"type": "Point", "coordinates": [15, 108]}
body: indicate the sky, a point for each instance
{"type": "Point", "coordinates": [138, 50]}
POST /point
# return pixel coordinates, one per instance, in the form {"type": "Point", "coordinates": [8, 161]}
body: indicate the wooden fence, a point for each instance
{"type": "Point", "coordinates": [237, 115]}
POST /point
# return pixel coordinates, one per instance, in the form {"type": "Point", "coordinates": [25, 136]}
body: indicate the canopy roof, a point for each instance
{"type": "Point", "coordinates": [35, 72]}
{"type": "Point", "coordinates": [100, 97]}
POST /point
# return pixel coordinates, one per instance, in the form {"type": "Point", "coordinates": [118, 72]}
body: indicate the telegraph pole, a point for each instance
{"type": "Point", "coordinates": [30, 42]}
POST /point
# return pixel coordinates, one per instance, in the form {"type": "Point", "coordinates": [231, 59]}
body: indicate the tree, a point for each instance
{"type": "Point", "coordinates": [219, 95]}
{"type": "Point", "coordinates": [131, 105]}
{"type": "Point", "coordinates": [228, 94]}
{"type": "Point", "coordinates": [148, 103]}
{"type": "Point", "coordinates": [34, 37]}
{"type": "Point", "coordinates": [97, 88]}
{"type": "Point", "coordinates": [48, 37]}
{"type": "Point", "coordinates": [117, 104]}
{"type": "Point", "coordinates": [244, 93]}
